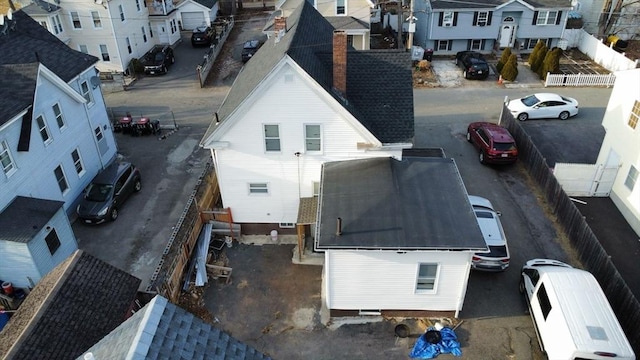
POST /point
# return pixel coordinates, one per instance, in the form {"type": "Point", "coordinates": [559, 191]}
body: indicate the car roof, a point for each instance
{"type": "Point", "coordinates": [487, 220]}
{"type": "Point", "coordinates": [477, 201]}
{"type": "Point", "coordinates": [201, 29]}
{"type": "Point", "coordinates": [251, 43]}
{"type": "Point", "coordinates": [496, 132]}
{"type": "Point", "coordinates": [548, 96]}
{"type": "Point", "coordinates": [111, 173]}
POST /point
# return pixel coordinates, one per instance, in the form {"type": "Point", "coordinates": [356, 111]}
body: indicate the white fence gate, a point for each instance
{"type": "Point", "coordinates": [580, 80]}
{"type": "Point", "coordinates": [594, 180]}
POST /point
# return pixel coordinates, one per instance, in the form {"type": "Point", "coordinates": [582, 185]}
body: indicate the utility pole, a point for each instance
{"type": "Point", "coordinates": [400, 19]}
{"type": "Point", "coordinates": [412, 27]}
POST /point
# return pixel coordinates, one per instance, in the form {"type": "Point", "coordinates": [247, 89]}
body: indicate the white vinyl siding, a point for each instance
{"type": "Point", "coordinates": [387, 280]}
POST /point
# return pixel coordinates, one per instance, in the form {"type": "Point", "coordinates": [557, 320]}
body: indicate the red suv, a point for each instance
{"type": "Point", "coordinates": [495, 143]}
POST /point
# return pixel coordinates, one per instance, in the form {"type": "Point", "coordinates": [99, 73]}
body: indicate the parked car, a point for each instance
{"type": "Point", "coordinates": [571, 314]}
{"type": "Point", "coordinates": [498, 257]}
{"type": "Point", "coordinates": [543, 105]}
{"type": "Point", "coordinates": [495, 143]}
{"type": "Point", "coordinates": [107, 192]}
{"type": "Point", "coordinates": [473, 64]}
{"type": "Point", "coordinates": [249, 48]}
{"type": "Point", "coordinates": [202, 36]}
{"type": "Point", "coordinates": [158, 60]}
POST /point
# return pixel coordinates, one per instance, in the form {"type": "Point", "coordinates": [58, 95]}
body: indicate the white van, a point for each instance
{"type": "Point", "coordinates": [571, 314]}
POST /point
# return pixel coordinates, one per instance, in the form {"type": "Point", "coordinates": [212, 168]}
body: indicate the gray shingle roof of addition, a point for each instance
{"type": "Point", "coordinates": [17, 89]}
{"type": "Point", "coordinates": [40, 7]}
{"type": "Point", "coordinates": [481, 4]}
{"type": "Point", "coordinates": [346, 23]}
{"type": "Point", "coordinates": [384, 107]}
{"type": "Point", "coordinates": [72, 307]}
{"type": "Point", "coordinates": [419, 203]}
{"type": "Point", "coordinates": [162, 330]}
{"type": "Point", "coordinates": [24, 217]}
{"type": "Point", "coordinates": [207, 3]}
{"type": "Point", "coordinates": [30, 42]}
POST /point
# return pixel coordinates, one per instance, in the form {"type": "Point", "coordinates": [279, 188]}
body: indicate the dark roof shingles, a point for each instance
{"type": "Point", "coordinates": [24, 217]}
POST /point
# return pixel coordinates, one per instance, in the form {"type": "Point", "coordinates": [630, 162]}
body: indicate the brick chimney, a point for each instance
{"type": "Point", "coordinates": [340, 62]}
{"type": "Point", "coordinates": [280, 23]}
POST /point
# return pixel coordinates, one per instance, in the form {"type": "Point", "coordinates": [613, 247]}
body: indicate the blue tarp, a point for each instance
{"type": "Point", "coordinates": [448, 344]}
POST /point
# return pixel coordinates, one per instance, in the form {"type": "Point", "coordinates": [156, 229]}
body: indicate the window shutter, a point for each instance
{"type": "Point", "coordinates": [475, 18]}
{"type": "Point", "coordinates": [449, 45]}
{"type": "Point", "coordinates": [559, 17]}
{"type": "Point", "coordinates": [455, 19]}
{"type": "Point", "coordinates": [482, 43]}
{"type": "Point", "coordinates": [535, 18]}
{"type": "Point", "coordinates": [489, 18]}
{"type": "Point", "coordinates": [440, 19]}
{"type": "Point", "coordinates": [468, 44]}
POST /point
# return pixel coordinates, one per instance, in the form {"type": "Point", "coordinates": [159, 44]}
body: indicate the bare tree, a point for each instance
{"type": "Point", "coordinates": [611, 13]}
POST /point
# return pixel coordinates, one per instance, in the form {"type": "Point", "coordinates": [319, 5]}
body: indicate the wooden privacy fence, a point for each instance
{"type": "Point", "coordinates": [201, 207]}
{"type": "Point", "coordinates": [592, 255]}
{"type": "Point", "coordinates": [579, 80]}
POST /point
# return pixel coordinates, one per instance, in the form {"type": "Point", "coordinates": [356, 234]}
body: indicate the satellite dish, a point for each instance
{"type": "Point", "coordinates": [95, 81]}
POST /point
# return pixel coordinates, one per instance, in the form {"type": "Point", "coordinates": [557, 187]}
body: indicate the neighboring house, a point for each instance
{"type": "Point", "coordinates": [625, 21]}
{"type": "Point", "coordinates": [397, 236]}
{"type": "Point", "coordinates": [621, 145]}
{"type": "Point", "coordinates": [194, 13]}
{"type": "Point", "coordinates": [115, 31]}
{"type": "Point", "coordinates": [351, 16]}
{"type": "Point", "coordinates": [73, 307]}
{"type": "Point", "coordinates": [298, 103]}
{"type": "Point", "coordinates": [162, 330]}
{"type": "Point", "coordinates": [35, 236]}
{"type": "Point", "coordinates": [448, 26]}
{"type": "Point", "coordinates": [55, 134]}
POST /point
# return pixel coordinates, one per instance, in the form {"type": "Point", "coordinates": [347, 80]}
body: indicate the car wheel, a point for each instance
{"type": "Point", "coordinates": [137, 186]}
{"type": "Point", "coordinates": [113, 215]}
{"type": "Point", "coordinates": [564, 115]}
{"type": "Point", "coordinates": [481, 158]}
{"type": "Point", "coordinates": [521, 286]}
{"type": "Point", "coordinates": [523, 116]}
{"type": "Point", "coordinates": [468, 136]}
{"type": "Point", "coordinates": [464, 74]}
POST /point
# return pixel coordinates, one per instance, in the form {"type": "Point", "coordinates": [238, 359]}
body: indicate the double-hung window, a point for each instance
{"type": "Point", "coordinates": [312, 138]}
{"type": "Point", "coordinates": [8, 166]}
{"type": "Point", "coordinates": [341, 9]}
{"type": "Point", "coordinates": [97, 23]}
{"type": "Point", "coordinates": [43, 129]}
{"type": "Point", "coordinates": [75, 19]}
{"type": "Point", "coordinates": [632, 178]}
{"type": "Point", "coordinates": [272, 137]}
{"type": "Point", "coordinates": [61, 179]}
{"type": "Point", "coordinates": [427, 277]}
{"type": "Point", "coordinates": [77, 162]}
{"type": "Point", "coordinates": [447, 18]}
{"type": "Point", "coordinates": [59, 118]}
{"type": "Point", "coordinates": [546, 17]}
{"type": "Point", "coordinates": [85, 90]}
{"type": "Point", "coordinates": [482, 18]}
{"type": "Point", "coordinates": [57, 24]}
{"type": "Point", "coordinates": [105, 53]}
{"type": "Point", "coordinates": [121, 11]}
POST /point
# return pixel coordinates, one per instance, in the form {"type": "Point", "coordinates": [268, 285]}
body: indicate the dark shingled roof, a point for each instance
{"type": "Point", "coordinates": [24, 217]}
{"type": "Point", "coordinates": [40, 7]}
{"type": "Point", "coordinates": [162, 330]}
{"type": "Point", "coordinates": [346, 23]}
{"type": "Point", "coordinates": [419, 203]}
{"type": "Point", "coordinates": [207, 3]}
{"type": "Point", "coordinates": [488, 4]}
{"type": "Point", "coordinates": [384, 107]}
{"type": "Point", "coordinates": [29, 42]}
{"type": "Point", "coordinates": [17, 89]}
{"type": "Point", "coordinates": [72, 307]}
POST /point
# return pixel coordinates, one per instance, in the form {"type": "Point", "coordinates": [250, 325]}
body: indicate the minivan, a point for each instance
{"type": "Point", "coordinates": [107, 192]}
{"type": "Point", "coordinates": [571, 314]}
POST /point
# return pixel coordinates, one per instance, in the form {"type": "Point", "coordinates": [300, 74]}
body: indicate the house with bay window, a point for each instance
{"type": "Point", "coordinates": [451, 26]}
{"type": "Point", "coordinates": [55, 136]}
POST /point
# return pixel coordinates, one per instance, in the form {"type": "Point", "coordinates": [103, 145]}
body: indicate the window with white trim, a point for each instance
{"type": "Point", "coordinates": [83, 49]}
{"type": "Point", "coordinates": [43, 129]}
{"type": "Point", "coordinates": [138, 5]}
{"type": "Point", "coordinates": [98, 132]}
{"type": "Point", "coordinates": [427, 277]}
{"type": "Point", "coordinates": [105, 53]}
{"type": "Point", "coordinates": [341, 8]}
{"type": "Point", "coordinates": [547, 17]}
{"type": "Point", "coordinates": [287, 225]}
{"type": "Point", "coordinates": [59, 118]}
{"type": "Point", "coordinates": [6, 160]}
{"type": "Point", "coordinates": [476, 45]}
{"type": "Point", "coordinates": [632, 178]}
{"type": "Point", "coordinates": [61, 179]}
{"type": "Point", "coordinates": [272, 137]}
{"type": "Point", "coordinates": [77, 162]}
{"type": "Point", "coordinates": [121, 11]}
{"type": "Point", "coordinates": [312, 138]}
{"type": "Point", "coordinates": [128, 44]}
{"type": "Point", "coordinates": [483, 18]}
{"type": "Point", "coordinates": [57, 24]}
{"type": "Point", "coordinates": [75, 20]}
{"type": "Point", "coordinates": [173, 25]}
{"type": "Point", "coordinates": [85, 90]}
{"type": "Point", "coordinates": [447, 18]}
{"type": "Point", "coordinates": [258, 188]}
{"type": "Point", "coordinates": [144, 34]}
{"type": "Point", "coordinates": [635, 115]}
{"type": "Point", "coordinates": [97, 23]}
{"type": "Point", "coordinates": [443, 45]}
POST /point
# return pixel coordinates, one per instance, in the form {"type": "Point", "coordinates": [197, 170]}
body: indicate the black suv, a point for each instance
{"type": "Point", "coordinates": [107, 192]}
{"type": "Point", "coordinates": [473, 65]}
{"type": "Point", "coordinates": [249, 49]}
{"type": "Point", "coordinates": [202, 35]}
{"type": "Point", "coordinates": [158, 59]}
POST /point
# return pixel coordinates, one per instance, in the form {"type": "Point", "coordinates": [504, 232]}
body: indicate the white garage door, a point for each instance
{"type": "Point", "coordinates": [191, 20]}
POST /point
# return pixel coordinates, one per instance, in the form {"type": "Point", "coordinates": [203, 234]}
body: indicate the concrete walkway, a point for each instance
{"type": "Point", "coordinates": [450, 75]}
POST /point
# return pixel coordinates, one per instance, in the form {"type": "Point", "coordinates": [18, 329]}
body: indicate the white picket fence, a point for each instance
{"type": "Point", "coordinates": [580, 80]}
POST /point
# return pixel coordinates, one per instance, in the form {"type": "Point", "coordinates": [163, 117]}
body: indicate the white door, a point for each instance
{"type": "Point", "coordinates": [506, 35]}
{"type": "Point", "coordinates": [191, 20]}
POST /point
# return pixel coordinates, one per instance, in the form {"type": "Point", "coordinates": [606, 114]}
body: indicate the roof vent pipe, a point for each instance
{"type": "Point", "coordinates": [339, 227]}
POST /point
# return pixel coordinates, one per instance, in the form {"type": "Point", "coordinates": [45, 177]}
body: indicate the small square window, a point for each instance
{"type": "Point", "coordinates": [53, 242]}
{"type": "Point", "coordinates": [427, 277]}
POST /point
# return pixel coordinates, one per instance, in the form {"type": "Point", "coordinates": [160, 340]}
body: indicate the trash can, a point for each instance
{"type": "Point", "coordinates": [428, 54]}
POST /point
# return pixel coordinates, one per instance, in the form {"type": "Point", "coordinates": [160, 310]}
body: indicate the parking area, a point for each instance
{"type": "Point", "coordinates": [273, 304]}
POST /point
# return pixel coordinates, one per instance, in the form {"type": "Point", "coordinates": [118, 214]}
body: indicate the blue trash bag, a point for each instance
{"type": "Point", "coordinates": [448, 344]}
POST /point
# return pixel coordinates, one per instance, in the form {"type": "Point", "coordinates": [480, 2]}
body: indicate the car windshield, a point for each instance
{"type": "Point", "coordinates": [504, 146]}
{"type": "Point", "coordinates": [530, 100]}
{"type": "Point", "coordinates": [159, 56]}
{"type": "Point", "coordinates": [250, 45]}
{"type": "Point", "coordinates": [98, 192]}
{"type": "Point", "coordinates": [482, 67]}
